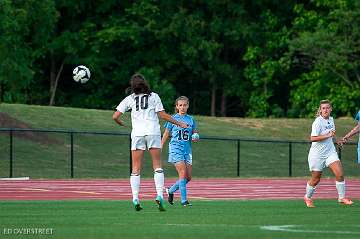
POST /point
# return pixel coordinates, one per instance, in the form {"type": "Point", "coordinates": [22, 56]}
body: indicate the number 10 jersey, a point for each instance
{"type": "Point", "coordinates": [144, 109]}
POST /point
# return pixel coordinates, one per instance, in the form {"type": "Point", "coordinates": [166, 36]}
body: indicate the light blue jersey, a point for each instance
{"type": "Point", "coordinates": [180, 142]}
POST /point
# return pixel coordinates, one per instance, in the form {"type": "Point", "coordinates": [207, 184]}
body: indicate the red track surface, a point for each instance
{"type": "Point", "coordinates": [198, 189]}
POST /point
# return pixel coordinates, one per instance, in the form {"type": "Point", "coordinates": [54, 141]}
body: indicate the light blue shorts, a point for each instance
{"type": "Point", "coordinates": [178, 157]}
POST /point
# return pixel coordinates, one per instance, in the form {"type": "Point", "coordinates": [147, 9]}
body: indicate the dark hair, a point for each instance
{"type": "Point", "coordinates": [138, 84]}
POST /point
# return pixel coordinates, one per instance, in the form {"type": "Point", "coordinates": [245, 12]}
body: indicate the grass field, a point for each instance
{"type": "Point", "coordinates": [104, 156]}
{"type": "Point", "coordinates": [206, 219]}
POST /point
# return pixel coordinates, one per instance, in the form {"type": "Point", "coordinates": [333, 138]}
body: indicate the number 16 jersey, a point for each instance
{"type": "Point", "coordinates": [144, 109]}
{"type": "Point", "coordinates": [180, 142]}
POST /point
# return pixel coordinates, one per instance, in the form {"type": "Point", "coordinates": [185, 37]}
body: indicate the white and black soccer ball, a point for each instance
{"type": "Point", "coordinates": [81, 74]}
{"type": "Point", "coordinates": [195, 137]}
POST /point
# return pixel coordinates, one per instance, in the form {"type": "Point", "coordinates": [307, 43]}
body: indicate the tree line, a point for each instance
{"type": "Point", "coordinates": [251, 58]}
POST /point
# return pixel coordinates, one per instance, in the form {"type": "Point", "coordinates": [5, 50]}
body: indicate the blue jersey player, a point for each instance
{"type": "Point", "coordinates": [351, 133]}
{"type": "Point", "coordinates": [180, 153]}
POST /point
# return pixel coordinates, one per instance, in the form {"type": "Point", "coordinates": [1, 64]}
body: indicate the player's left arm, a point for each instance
{"type": "Point", "coordinates": [195, 133]}
{"type": "Point", "coordinates": [165, 116]}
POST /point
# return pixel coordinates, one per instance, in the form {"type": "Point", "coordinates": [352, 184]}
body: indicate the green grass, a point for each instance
{"type": "Point", "coordinates": [103, 156]}
{"type": "Point", "coordinates": [206, 219]}
{"type": "Point", "coordinates": [100, 120]}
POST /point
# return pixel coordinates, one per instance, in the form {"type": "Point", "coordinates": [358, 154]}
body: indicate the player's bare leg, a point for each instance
{"type": "Point", "coordinates": [336, 168]}
{"type": "Point", "coordinates": [137, 156]}
{"type": "Point", "coordinates": [159, 178]}
{"type": "Point", "coordinates": [188, 172]}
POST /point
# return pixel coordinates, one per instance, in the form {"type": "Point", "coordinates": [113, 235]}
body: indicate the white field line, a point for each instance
{"type": "Point", "coordinates": [15, 179]}
{"type": "Point", "coordinates": [284, 228]}
{"type": "Point", "coordinates": [292, 228]}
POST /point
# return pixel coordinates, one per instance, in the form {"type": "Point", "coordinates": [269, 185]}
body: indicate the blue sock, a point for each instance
{"type": "Point", "coordinates": [174, 187]}
{"type": "Point", "coordinates": [182, 186]}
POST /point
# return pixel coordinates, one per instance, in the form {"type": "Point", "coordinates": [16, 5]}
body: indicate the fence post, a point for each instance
{"type": "Point", "coordinates": [130, 158]}
{"type": "Point", "coordinates": [72, 154]}
{"type": "Point", "coordinates": [11, 134]}
{"type": "Point", "coordinates": [290, 159]}
{"type": "Point", "coordinates": [238, 158]}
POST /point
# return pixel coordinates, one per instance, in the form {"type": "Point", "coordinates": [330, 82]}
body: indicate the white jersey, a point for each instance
{"type": "Point", "coordinates": [144, 109]}
{"type": "Point", "coordinates": [323, 148]}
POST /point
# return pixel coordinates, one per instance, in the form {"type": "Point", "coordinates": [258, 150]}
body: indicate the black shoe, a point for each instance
{"type": "Point", "coordinates": [186, 204]}
{"type": "Point", "coordinates": [137, 206]}
{"type": "Point", "coordinates": [170, 197]}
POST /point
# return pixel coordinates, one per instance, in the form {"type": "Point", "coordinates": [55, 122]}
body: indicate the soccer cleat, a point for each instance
{"type": "Point", "coordinates": [137, 206]}
{"type": "Point", "coordinates": [160, 202]}
{"type": "Point", "coordinates": [309, 202]}
{"type": "Point", "coordinates": [345, 201]}
{"type": "Point", "coordinates": [186, 204]}
{"type": "Point", "coordinates": [170, 196]}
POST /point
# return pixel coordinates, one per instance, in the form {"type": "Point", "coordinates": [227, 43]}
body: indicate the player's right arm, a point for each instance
{"type": "Point", "coordinates": [120, 109]}
{"type": "Point", "coordinates": [165, 116]}
{"type": "Point", "coordinates": [322, 137]}
{"type": "Point", "coordinates": [164, 137]}
{"type": "Point", "coordinates": [116, 117]}
{"type": "Point", "coordinates": [316, 135]}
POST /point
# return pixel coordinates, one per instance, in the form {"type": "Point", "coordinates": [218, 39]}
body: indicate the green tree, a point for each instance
{"type": "Point", "coordinates": [26, 26]}
{"type": "Point", "coordinates": [327, 48]}
{"type": "Point", "coordinates": [201, 45]}
{"type": "Point", "coordinates": [268, 67]}
{"type": "Point", "coordinates": [230, 58]}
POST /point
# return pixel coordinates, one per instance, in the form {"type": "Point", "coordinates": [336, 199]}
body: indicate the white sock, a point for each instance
{"type": "Point", "coordinates": [135, 186]}
{"type": "Point", "coordinates": [309, 190]}
{"type": "Point", "coordinates": [340, 186]}
{"type": "Point", "coordinates": [159, 181]}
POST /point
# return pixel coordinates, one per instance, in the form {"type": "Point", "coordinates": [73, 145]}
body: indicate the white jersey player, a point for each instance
{"type": "Point", "coordinates": [145, 107]}
{"type": "Point", "coordinates": [323, 154]}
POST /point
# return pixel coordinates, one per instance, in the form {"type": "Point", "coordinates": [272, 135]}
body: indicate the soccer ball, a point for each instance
{"type": "Point", "coordinates": [81, 74]}
{"type": "Point", "coordinates": [195, 137]}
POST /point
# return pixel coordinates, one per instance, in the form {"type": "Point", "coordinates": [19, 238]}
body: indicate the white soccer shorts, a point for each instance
{"type": "Point", "coordinates": [145, 142]}
{"type": "Point", "coordinates": [317, 163]}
